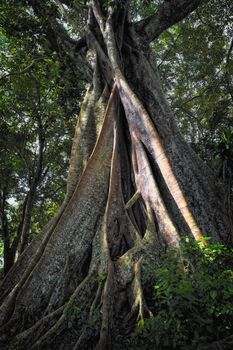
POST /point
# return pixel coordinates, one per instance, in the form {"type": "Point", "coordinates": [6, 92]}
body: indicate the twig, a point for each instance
{"type": "Point", "coordinates": [23, 71]}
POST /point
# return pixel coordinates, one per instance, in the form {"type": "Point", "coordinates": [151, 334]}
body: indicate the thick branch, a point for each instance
{"type": "Point", "coordinates": [169, 13]}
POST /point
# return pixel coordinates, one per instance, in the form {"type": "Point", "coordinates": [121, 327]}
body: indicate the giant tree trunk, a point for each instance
{"type": "Point", "coordinates": [134, 188]}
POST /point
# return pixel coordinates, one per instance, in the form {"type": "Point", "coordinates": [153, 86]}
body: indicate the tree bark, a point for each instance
{"type": "Point", "coordinates": [8, 259]}
{"type": "Point", "coordinates": [134, 188]}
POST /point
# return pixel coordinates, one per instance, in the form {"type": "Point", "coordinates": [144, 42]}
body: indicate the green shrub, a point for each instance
{"type": "Point", "coordinates": [192, 298]}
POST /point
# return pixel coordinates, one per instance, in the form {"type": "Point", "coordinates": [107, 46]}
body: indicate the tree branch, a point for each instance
{"type": "Point", "coordinates": [23, 71]}
{"type": "Point", "coordinates": [56, 34]}
{"type": "Point", "coordinates": [229, 51]}
{"type": "Point", "coordinates": [169, 13]}
{"type": "Point", "coordinates": [168, 51]}
{"type": "Point", "coordinates": [227, 75]}
{"type": "Point", "coordinates": [74, 5]}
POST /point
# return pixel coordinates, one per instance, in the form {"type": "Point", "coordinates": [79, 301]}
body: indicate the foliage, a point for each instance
{"type": "Point", "coordinates": [195, 62]}
{"type": "Point", "coordinates": [192, 298]}
{"type": "Point", "coordinates": [39, 101]}
{"type": "Point", "coordinates": [141, 9]}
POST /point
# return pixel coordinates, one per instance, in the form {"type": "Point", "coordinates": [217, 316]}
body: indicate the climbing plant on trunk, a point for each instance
{"type": "Point", "coordinates": [134, 188]}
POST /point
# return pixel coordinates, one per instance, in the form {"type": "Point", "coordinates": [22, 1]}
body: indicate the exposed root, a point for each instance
{"type": "Point", "coordinates": [86, 339]}
{"type": "Point", "coordinates": [133, 200]}
{"type": "Point", "coordinates": [7, 308]}
{"type": "Point", "coordinates": [81, 291]}
{"type": "Point", "coordinates": [107, 310]}
{"type": "Point", "coordinates": [95, 302]}
{"type": "Point", "coordinates": [54, 330]}
{"type": "Point", "coordinates": [25, 339]}
{"type": "Point", "coordinates": [74, 272]}
{"type": "Point", "coordinates": [79, 297]}
{"type": "Point", "coordinates": [139, 304]}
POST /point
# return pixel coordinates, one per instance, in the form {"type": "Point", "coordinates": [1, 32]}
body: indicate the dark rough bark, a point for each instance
{"type": "Point", "coordinates": [8, 259]}
{"type": "Point", "coordinates": [134, 188]}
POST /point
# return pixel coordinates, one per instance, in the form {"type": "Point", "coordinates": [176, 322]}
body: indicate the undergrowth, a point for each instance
{"type": "Point", "coordinates": [191, 298]}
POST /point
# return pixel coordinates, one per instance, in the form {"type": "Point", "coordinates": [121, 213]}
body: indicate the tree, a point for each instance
{"type": "Point", "coordinates": [134, 186]}
{"type": "Point", "coordinates": [33, 120]}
